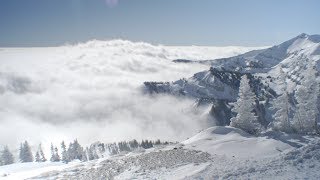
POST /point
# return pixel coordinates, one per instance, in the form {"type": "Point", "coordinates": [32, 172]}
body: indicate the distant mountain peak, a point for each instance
{"type": "Point", "coordinates": [303, 35]}
{"type": "Point", "coordinates": [313, 38]}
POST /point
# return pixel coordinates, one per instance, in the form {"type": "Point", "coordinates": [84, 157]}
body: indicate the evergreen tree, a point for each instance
{"type": "Point", "coordinates": [90, 154]}
{"type": "Point", "coordinates": [284, 109]}
{"type": "Point", "coordinates": [143, 144]}
{"type": "Point", "coordinates": [95, 152]}
{"type": "Point", "coordinates": [37, 157]}
{"type": "Point", "coordinates": [64, 154]}
{"type": "Point", "coordinates": [42, 156]}
{"type": "Point", "coordinates": [25, 153]}
{"type": "Point", "coordinates": [54, 154]}
{"type": "Point", "coordinates": [134, 144]}
{"type": "Point", "coordinates": [123, 146]}
{"type": "Point", "coordinates": [75, 151]}
{"type": "Point", "coordinates": [84, 156]}
{"type": "Point", "coordinates": [101, 147]}
{"type": "Point", "coordinates": [113, 148]}
{"type": "Point", "coordinates": [157, 142]}
{"type": "Point", "coordinates": [244, 107]}
{"type": "Point", "coordinates": [148, 144]}
{"type": "Point", "coordinates": [305, 118]}
{"type": "Point", "coordinates": [6, 156]}
{"type": "Point", "coordinates": [21, 152]}
{"type": "Point", "coordinates": [52, 159]}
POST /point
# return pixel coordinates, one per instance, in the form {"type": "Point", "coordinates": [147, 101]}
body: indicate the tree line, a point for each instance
{"type": "Point", "coordinates": [75, 151]}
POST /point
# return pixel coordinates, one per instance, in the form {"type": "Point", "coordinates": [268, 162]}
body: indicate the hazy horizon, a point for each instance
{"type": "Point", "coordinates": [174, 23]}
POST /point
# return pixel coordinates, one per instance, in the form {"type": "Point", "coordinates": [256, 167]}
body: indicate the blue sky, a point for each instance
{"type": "Point", "coordinates": [169, 22]}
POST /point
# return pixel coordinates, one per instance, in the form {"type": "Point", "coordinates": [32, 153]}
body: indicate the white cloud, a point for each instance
{"type": "Point", "coordinates": [92, 91]}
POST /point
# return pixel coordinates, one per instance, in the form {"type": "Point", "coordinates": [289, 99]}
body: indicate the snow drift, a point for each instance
{"type": "Point", "coordinates": [234, 142]}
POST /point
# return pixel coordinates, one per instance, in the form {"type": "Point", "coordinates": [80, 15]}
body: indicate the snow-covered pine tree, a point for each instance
{"type": "Point", "coordinates": [245, 118]}
{"type": "Point", "coordinates": [306, 115]}
{"type": "Point", "coordinates": [113, 149]}
{"type": "Point", "coordinates": [6, 156]}
{"type": "Point", "coordinates": [21, 152]}
{"type": "Point", "coordinates": [25, 153]}
{"type": "Point", "coordinates": [123, 146]}
{"type": "Point", "coordinates": [101, 148]}
{"type": "Point", "coordinates": [149, 144]}
{"type": "Point", "coordinates": [145, 144]}
{"type": "Point", "coordinates": [41, 153]}
{"type": "Point", "coordinates": [84, 156]}
{"type": "Point", "coordinates": [79, 150]}
{"type": "Point", "coordinates": [90, 154]}
{"type": "Point", "coordinates": [157, 142]}
{"type": "Point", "coordinates": [39, 157]}
{"type": "Point", "coordinates": [54, 154]}
{"type": "Point", "coordinates": [134, 144]}
{"type": "Point", "coordinates": [64, 154]}
{"type": "Point", "coordinates": [52, 159]}
{"type": "Point", "coordinates": [284, 109]}
{"type": "Point", "coordinates": [95, 152]}
{"type": "Point", "coordinates": [71, 152]}
{"type": "Point", "coordinates": [75, 151]}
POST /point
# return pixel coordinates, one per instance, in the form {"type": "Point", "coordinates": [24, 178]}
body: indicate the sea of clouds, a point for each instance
{"type": "Point", "coordinates": [94, 91]}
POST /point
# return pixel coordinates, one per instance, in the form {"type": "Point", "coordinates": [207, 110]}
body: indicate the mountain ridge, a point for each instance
{"type": "Point", "coordinates": [261, 58]}
{"type": "Point", "coordinates": [221, 82]}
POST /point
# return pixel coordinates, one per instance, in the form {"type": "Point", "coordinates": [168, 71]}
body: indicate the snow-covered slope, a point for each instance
{"type": "Point", "coordinates": [303, 46]}
{"type": "Point", "coordinates": [293, 56]}
{"type": "Point", "coordinates": [234, 142]}
{"type": "Point", "coordinates": [214, 153]}
{"type": "Point", "coordinates": [28, 170]}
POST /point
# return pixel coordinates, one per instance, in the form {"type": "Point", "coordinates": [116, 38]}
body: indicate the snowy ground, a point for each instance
{"type": "Point", "coordinates": [215, 153]}
{"type": "Point", "coordinates": [27, 170]}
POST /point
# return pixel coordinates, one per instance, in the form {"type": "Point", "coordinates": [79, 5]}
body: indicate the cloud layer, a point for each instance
{"type": "Point", "coordinates": [93, 91]}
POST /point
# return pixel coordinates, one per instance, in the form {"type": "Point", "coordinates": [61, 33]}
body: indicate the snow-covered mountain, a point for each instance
{"type": "Point", "coordinates": [303, 46]}
{"type": "Point", "coordinates": [293, 55]}
{"type": "Point", "coordinates": [219, 85]}
{"type": "Point", "coordinates": [215, 153]}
